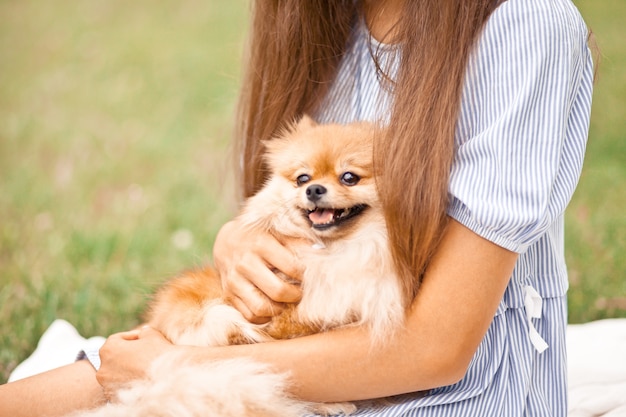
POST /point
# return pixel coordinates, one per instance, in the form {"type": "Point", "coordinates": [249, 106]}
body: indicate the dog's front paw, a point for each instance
{"type": "Point", "coordinates": [331, 409]}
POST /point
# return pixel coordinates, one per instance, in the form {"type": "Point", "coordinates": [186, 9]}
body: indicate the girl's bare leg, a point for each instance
{"type": "Point", "coordinates": [53, 393]}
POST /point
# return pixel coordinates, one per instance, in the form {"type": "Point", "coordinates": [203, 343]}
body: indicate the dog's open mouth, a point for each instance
{"type": "Point", "coordinates": [323, 218]}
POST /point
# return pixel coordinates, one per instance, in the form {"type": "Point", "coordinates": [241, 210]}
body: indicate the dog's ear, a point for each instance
{"type": "Point", "coordinates": [275, 151]}
{"type": "Point", "coordinates": [278, 142]}
{"type": "Point", "coordinates": [305, 123]}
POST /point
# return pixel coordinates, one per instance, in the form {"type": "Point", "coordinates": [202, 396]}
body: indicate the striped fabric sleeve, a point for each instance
{"type": "Point", "coordinates": [523, 126]}
{"type": "Point", "coordinates": [92, 354]}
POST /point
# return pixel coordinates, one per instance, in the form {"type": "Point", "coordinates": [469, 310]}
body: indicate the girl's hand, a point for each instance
{"type": "Point", "coordinates": [248, 264]}
{"type": "Point", "coordinates": [127, 356]}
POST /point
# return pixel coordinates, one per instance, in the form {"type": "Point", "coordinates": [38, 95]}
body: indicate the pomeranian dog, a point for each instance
{"type": "Point", "coordinates": [321, 193]}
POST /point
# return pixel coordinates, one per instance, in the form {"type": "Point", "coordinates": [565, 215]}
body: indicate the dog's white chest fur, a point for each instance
{"type": "Point", "coordinates": [349, 281]}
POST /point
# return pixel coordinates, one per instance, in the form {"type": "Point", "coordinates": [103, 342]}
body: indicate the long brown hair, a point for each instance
{"type": "Point", "coordinates": [295, 47]}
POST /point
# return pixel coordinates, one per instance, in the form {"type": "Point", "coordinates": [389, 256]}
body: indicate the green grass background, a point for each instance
{"type": "Point", "coordinates": [115, 172]}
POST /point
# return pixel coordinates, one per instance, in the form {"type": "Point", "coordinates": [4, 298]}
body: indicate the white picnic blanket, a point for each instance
{"type": "Point", "coordinates": [597, 368]}
{"type": "Point", "coordinates": [597, 363]}
{"type": "Point", "coordinates": [58, 346]}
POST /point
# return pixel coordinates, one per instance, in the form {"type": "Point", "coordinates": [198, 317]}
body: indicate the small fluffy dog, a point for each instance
{"type": "Point", "coordinates": [321, 191]}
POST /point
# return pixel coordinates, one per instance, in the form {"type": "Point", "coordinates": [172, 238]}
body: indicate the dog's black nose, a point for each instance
{"type": "Point", "coordinates": [315, 192]}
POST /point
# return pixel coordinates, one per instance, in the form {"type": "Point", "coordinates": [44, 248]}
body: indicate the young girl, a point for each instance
{"type": "Point", "coordinates": [487, 106]}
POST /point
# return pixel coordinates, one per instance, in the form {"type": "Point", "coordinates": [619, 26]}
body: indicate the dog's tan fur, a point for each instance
{"type": "Point", "coordinates": [349, 277]}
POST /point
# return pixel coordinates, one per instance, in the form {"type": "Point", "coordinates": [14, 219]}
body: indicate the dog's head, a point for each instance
{"type": "Point", "coordinates": [326, 175]}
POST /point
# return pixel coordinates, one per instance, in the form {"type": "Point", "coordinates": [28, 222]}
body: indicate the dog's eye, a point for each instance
{"type": "Point", "coordinates": [303, 179]}
{"type": "Point", "coordinates": [348, 178]}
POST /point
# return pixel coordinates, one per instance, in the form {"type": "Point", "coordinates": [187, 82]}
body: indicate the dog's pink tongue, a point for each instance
{"type": "Point", "coordinates": [321, 216]}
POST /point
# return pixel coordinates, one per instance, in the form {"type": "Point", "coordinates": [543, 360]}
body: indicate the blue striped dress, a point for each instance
{"type": "Point", "coordinates": [520, 141]}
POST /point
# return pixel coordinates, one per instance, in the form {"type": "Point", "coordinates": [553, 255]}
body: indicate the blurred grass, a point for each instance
{"type": "Point", "coordinates": [115, 119]}
{"type": "Point", "coordinates": [596, 220]}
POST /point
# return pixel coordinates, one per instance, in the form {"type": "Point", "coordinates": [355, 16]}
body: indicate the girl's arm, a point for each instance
{"type": "Point", "coordinates": [58, 392]}
{"type": "Point", "coordinates": [447, 321]}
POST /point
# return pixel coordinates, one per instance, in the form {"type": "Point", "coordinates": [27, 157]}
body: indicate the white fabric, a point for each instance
{"type": "Point", "coordinates": [533, 303]}
{"type": "Point", "coordinates": [597, 368]}
{"type": "Point", "coordinates": [58, 346]}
